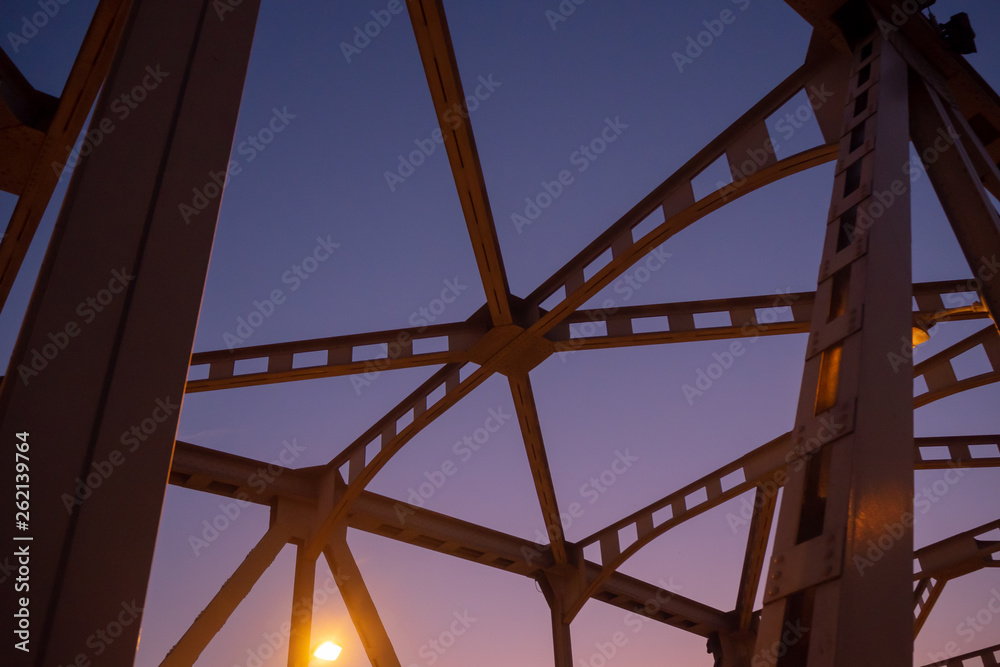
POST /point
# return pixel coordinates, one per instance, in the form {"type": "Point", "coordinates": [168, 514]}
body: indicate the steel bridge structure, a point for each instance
{"type": "Point", "coordinates": [846, 468]}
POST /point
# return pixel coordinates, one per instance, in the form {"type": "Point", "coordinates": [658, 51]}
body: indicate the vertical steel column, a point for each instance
{"type": "Point", "coordinates": [839, 589]}
{"type": "Point", "coordinates": [300, 638]}
{"type": "Point", "coordinates": [99, 368]}
{"type": "Point", "coordinates": [556, 589]}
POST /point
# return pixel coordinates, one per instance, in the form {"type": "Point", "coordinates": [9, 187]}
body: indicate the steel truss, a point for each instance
{"type": "Point", "coordinates": [851, 453]}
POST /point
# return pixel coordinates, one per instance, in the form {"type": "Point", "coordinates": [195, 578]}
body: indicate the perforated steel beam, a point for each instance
{"type": "Point", "coordinates": [988, 656]}
{"type": "Point", "coordinates": [861, 479]}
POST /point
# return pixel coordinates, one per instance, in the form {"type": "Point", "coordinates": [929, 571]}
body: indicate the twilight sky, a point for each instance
{"type": "Point", "coordinates": [347, 116]}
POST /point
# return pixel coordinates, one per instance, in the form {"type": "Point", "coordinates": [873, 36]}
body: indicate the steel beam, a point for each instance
{"type": "Point", "coordinates": [531, 433]}
{"type": "Point", "coordinates": [385, 438]}
{"type": "Point", "coordinates": [300, 633]}
{"type": "Point", "coordinates": [860, 480]}
{"type": "Point", "coordinates": [460, 338]}
{"type": "Point", "coordinates": [938, 373]}
{"type": "Point", "coordinates": [959, 554]}
{"type": "Point", "coordinates": [39, 179]}
{"type": "Point", "coordinates": [925, 595]}
{"type": "Point", "coordinates": [753, 562]}
{"type": "Point", "coordinates": [359, 603]}
{"type": "Point", "coordinates": [956, 181]}
{"type": "Point", "coordinates": [674, 194]}
{"type": "Point", "coordinates": [430, 27]}
{"type": "Point", "coordinates": [208, 623]}
{"type": "Point", "coordinates": [126, 365]}
{"type": "Point", "coordinates": [988, 656]}
{"type": "Point", "coordinates": [226, 474]}
{"type": "Point", "coordinates": [25, 116]}
{"type": "Point", "coordinates": [279, 359]}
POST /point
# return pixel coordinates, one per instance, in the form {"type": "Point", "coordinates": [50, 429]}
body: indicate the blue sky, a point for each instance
{"type": "Point", "coordinates": [546, 89]}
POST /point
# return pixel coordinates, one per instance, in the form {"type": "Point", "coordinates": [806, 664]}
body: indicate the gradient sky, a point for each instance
{"type": "Point", "coordinates": [323, 176]}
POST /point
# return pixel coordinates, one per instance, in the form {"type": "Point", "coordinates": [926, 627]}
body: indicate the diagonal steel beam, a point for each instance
{"type": "Point", "coordinates": [973, 217]}
{"type": "Point", "coordinates": [753, 561]}
{"type": "Point", "coordinates": [531, 432]}
{"type": "Point", "coordinates": [210, 621]}
{"type": "Point", "coordinates": [359, 603]}
{"type": "Point", "coordinates": [430, 27]}
{"type": "Point", "coordinates": [958, 555]}
{"type": "Point", "coordinates": [925, 595]}
{"type": "Point", "coordinates": [676, 189]}
{"type": "Point", "coordinates": [385, 438]}
{"type": "Point", "coordinates": [85, 79]}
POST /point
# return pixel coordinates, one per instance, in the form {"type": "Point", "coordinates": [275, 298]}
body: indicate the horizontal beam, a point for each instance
{"type": "Point", "coordinates": [939, 373]}
{"type": "Point", "coordinates": [749, 317]}
{"type": "Point", "coordinates": [279, 360]}
{"type": "Point", "coordinates": [396, 520]}
{"type": "Point", "coordinates": [209, 470]}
